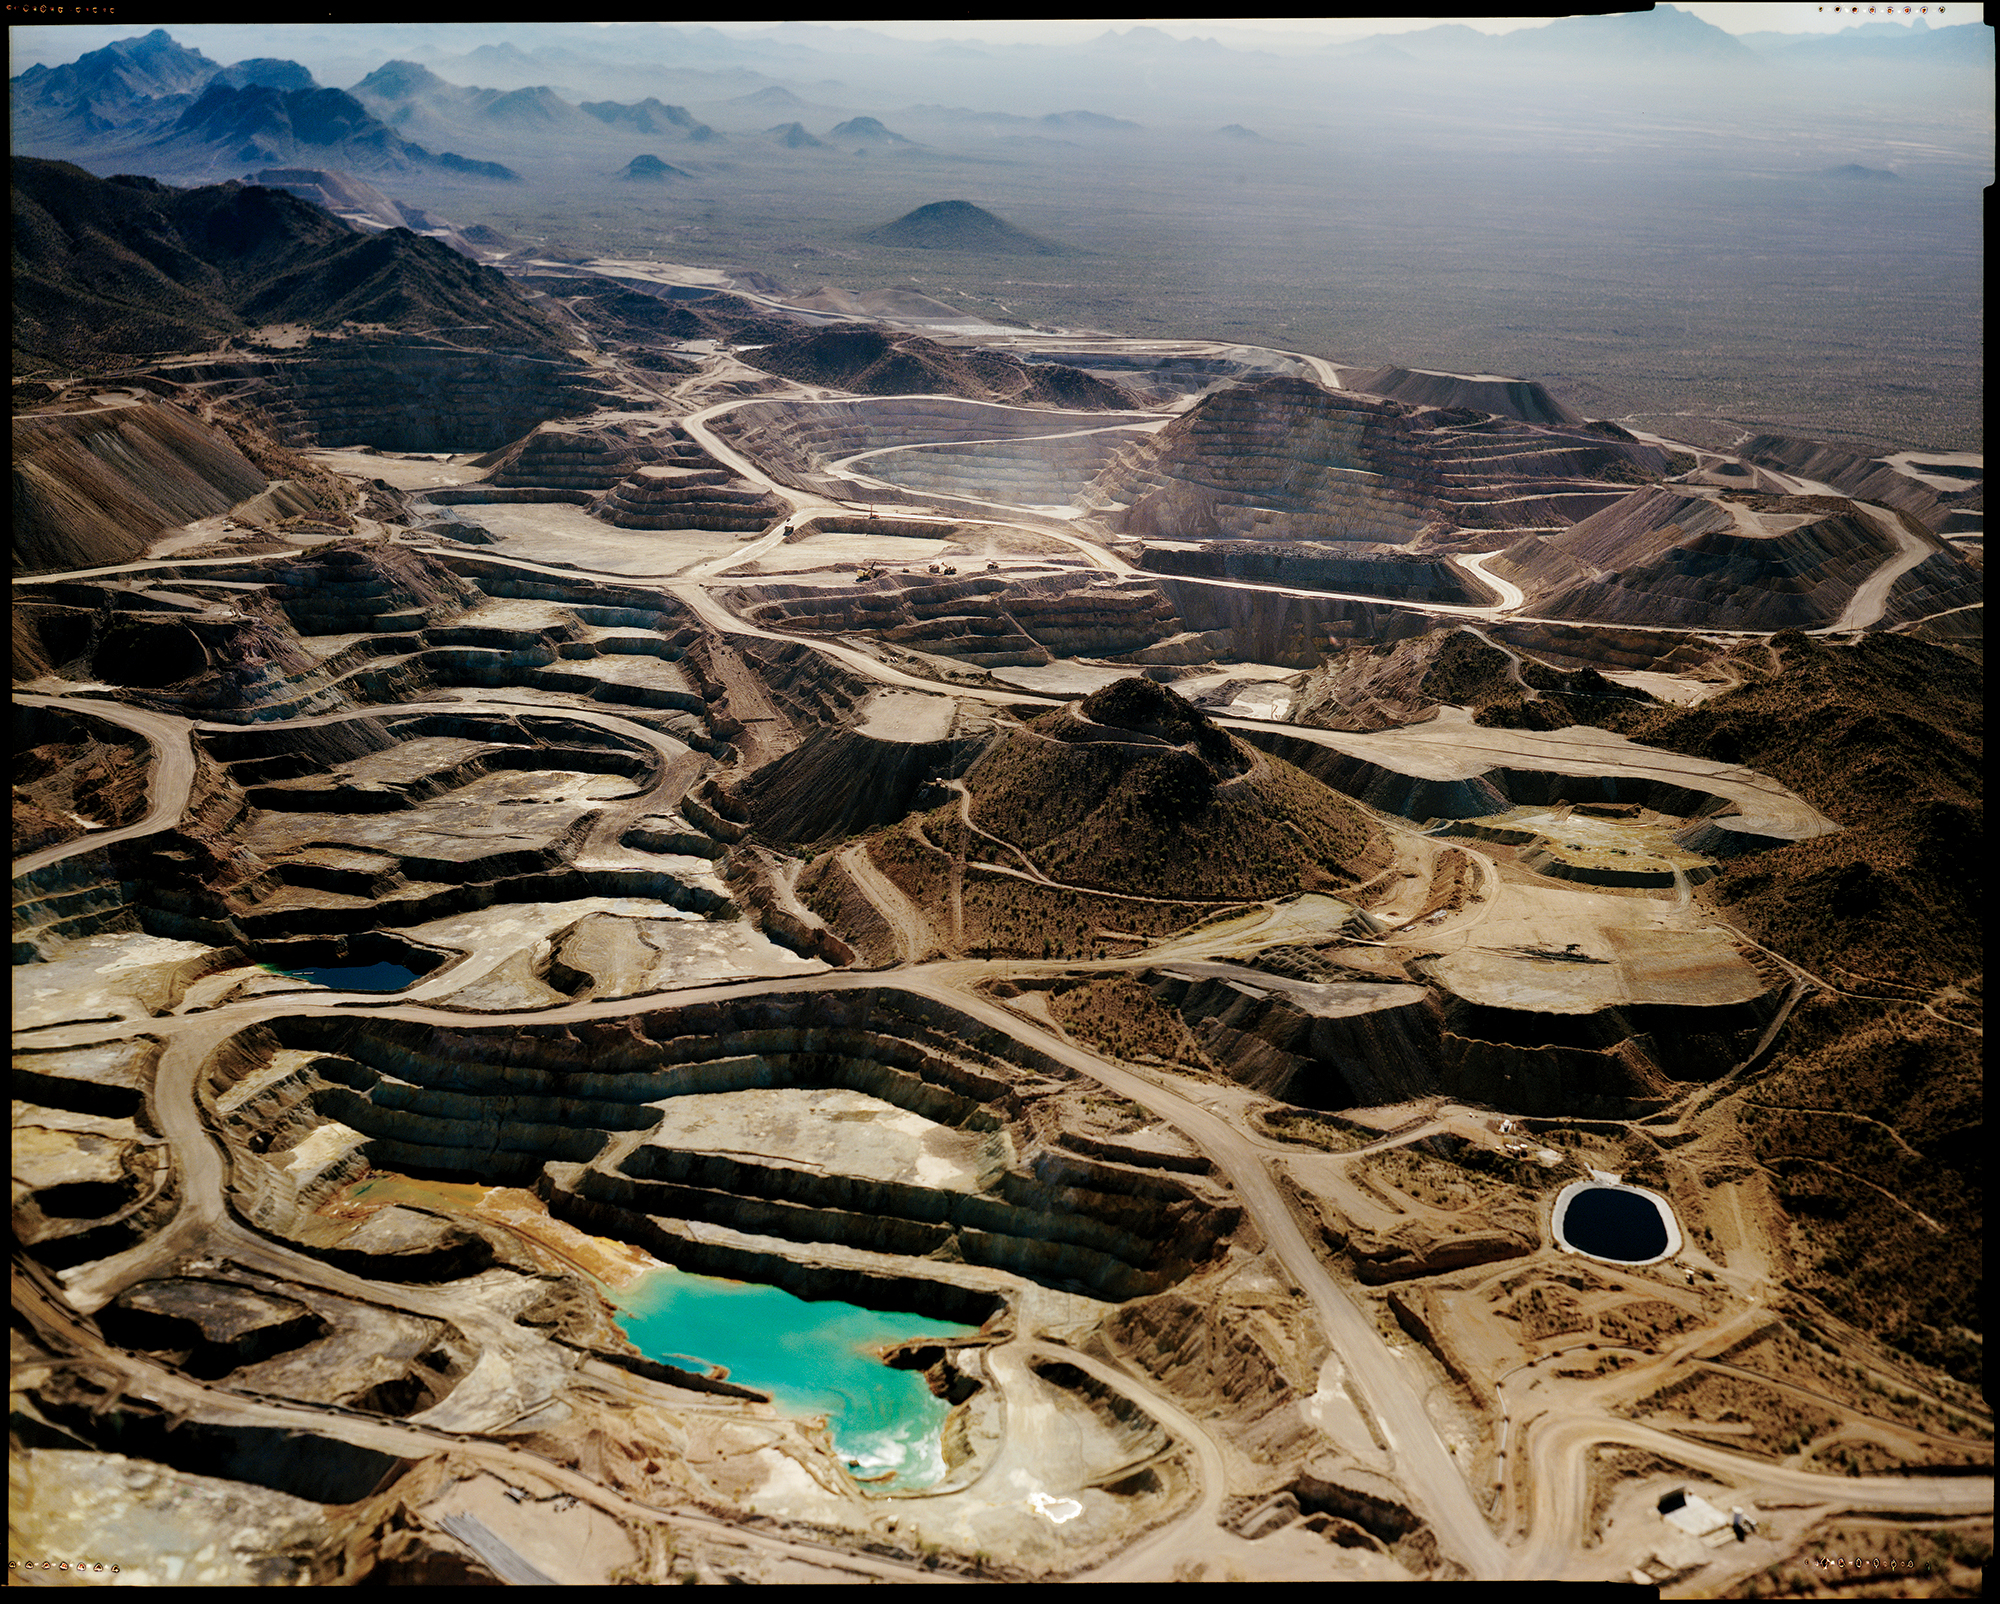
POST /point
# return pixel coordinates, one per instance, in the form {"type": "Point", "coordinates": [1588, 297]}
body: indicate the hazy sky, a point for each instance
{"type": "Point", "coordinates": [1733, 18]}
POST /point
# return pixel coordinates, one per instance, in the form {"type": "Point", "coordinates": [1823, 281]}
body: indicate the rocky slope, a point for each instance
{"type": "Point", "coordinates": [1158, 800]}
{"type": "Point", "coordinates": [105, 269]}
{"type": "Point", "coordinates": [874, 361]}
{"type": "Point", "coordinates": [1283, 459]}
{"type": "Point", "coordinates": [1726, 560]}
{"type": "Point", "coordinates": [92, 488]}
{"type": "Point", "coordinates": [1394, 683]}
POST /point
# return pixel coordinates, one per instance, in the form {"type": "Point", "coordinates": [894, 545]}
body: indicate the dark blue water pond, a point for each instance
{"type": "Point", "coordinates": [1608, 1223]}
{"type": "Point", "coordinates": [354, 977]}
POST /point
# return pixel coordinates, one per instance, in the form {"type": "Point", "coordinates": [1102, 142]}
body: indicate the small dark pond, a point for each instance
{"type": "Point", "coordinates": [1608, 1223]}
{"type": "Point", "coordinates": [354, 977]}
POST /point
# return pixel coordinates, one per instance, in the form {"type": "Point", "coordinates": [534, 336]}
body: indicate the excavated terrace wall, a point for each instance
{"type": "Point", "coordinates": [1615, 1062]}
{"type": "Point", "coordinates": [93, 488]}
{"type": "Point", "coordinates": [407, 393]}
{"type": "Point", "coordinates": [1291, 631]}
{"type": "Point", "coordinates": [1400, 576]}
{"type": "Point", "coordinates": [1477, 796]}
{"type": "Point", "coordinates": [491, 1103]}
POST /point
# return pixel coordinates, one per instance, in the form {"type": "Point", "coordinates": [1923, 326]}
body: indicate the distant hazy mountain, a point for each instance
{"type": "Point", "coordinates": [775, 98]}
{"type": "Point", "coordinates": [404, 80]}
{"type": "Point", "coordinates": [119, 76]}
{"type": "Point", "coordinates": [270, 71]}
{"type": "Point", "coordinates": [256, 124]}
{"type": "Point", "coordinates": [1883, 44]}
{"type": "Point", "coordinates": [793, 136]}
{"type": "Point", "coordinates": [1632, 38]}
{"type": "Point", "coordinates": [1630, 41]}
{"type": "Point", "coordinates": [468, 167]}
{"type": "Point", "coordinates": [1087, 122]}
{"type": "Point", "coordinates": [648, 116]}
{"type": "Point", "coordinates": [958, 225]}
{"type": "Point", "coordinates": [868, 131]}
{"type": "Point", "coordinates": [539, 108]}
{"type": "Point", "coordinates": [650, 169]}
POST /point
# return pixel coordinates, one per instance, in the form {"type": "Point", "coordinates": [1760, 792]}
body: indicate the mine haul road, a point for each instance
{"type": "Point", "coordinates": [184, 1398]}
{"type": "Point", "coordinates": [1558, 1450]}
{"type": "Point", "coordinates": [204, 1224]}
{"type": "Point", "coordinates": [1871, 597]}
{"type": "Point", "coordinates": [168, 787]}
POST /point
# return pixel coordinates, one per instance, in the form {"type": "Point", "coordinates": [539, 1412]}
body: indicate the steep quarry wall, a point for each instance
{"type": "Point", "coordinates": [1667, 558]}
{"type": "Point", "coordinates": [406, 393]}
{"type": "Point", "coordinates": [1482, 392]}
{"type": "Point", "coordinates": [1862, 477]}
{"type": "Point", "coordinates": [977, 619]}
{"type": "Point", "coordinates": [1352, 1044]}
{"type": "Point", "coordinates": [663, 496]}
{"type": "Point", "coordinates": [1282, 459]}
{"type": "Point", "coordinates": [589, 1108]}
{"type": "Point", "coordinates": [94, 488]}
{"type": "Point", "coordinates": [1026, 473]}
{"type": "Point", "coordinates": [1285, 460]}
{"type": "Point", "coordinates": [796, 442]}
{"type": "Point", "coordinates": [1388, 571]}
{"type": "Point", "coordinates": [1341, 1045]}
{"type": "Point", "coordinates": [1292, 631]}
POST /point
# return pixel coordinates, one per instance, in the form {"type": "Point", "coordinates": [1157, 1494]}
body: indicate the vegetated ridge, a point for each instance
{"type": "Point", "coordinates": [1184, 810]}
{"type": "Point", "coordinates": [111, 268]}
{"type": "Point", "coordinates": [1883, 736]}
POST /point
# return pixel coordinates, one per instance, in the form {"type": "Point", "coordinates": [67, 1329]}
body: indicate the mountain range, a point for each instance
{"type": "Point", "coordinates": [114, 268]}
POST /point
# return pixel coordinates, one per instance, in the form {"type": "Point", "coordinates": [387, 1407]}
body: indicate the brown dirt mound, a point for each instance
{"type": "Point", "coordinates": [92, 488]}
{"type": "Point", "coordinates": [869, 360]}
{"type": "Point", "coordinates": [1402, 682]}
{"type": "Point", "coordinates": [1202, 819]}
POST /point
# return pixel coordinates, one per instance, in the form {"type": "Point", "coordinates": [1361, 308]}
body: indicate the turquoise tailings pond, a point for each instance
{"type": "Point", "coordinates": [812, 1358]}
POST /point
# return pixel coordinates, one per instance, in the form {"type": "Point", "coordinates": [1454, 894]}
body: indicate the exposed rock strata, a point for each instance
{"type": "Point", "coordinates": [1286, 460]}
{"type": "Point", "coordinates": [1522, 399]}
{"type": "Point", "coordinates": [413, 392]}
{"type": "Point", "coordinates": [1366, 1043]}
{"type": "Point", "coordinates": [797, 442]}
{"type": "Point", "coordinates": [94, 488]}
{"type": "Point", "coordinates": [1666, 556]}
{"type": "Point", "coordinates": [588, 1099]}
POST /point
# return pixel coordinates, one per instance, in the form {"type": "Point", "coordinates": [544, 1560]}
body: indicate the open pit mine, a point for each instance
{"type": "Point", "coordinates": [1166, 903]}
